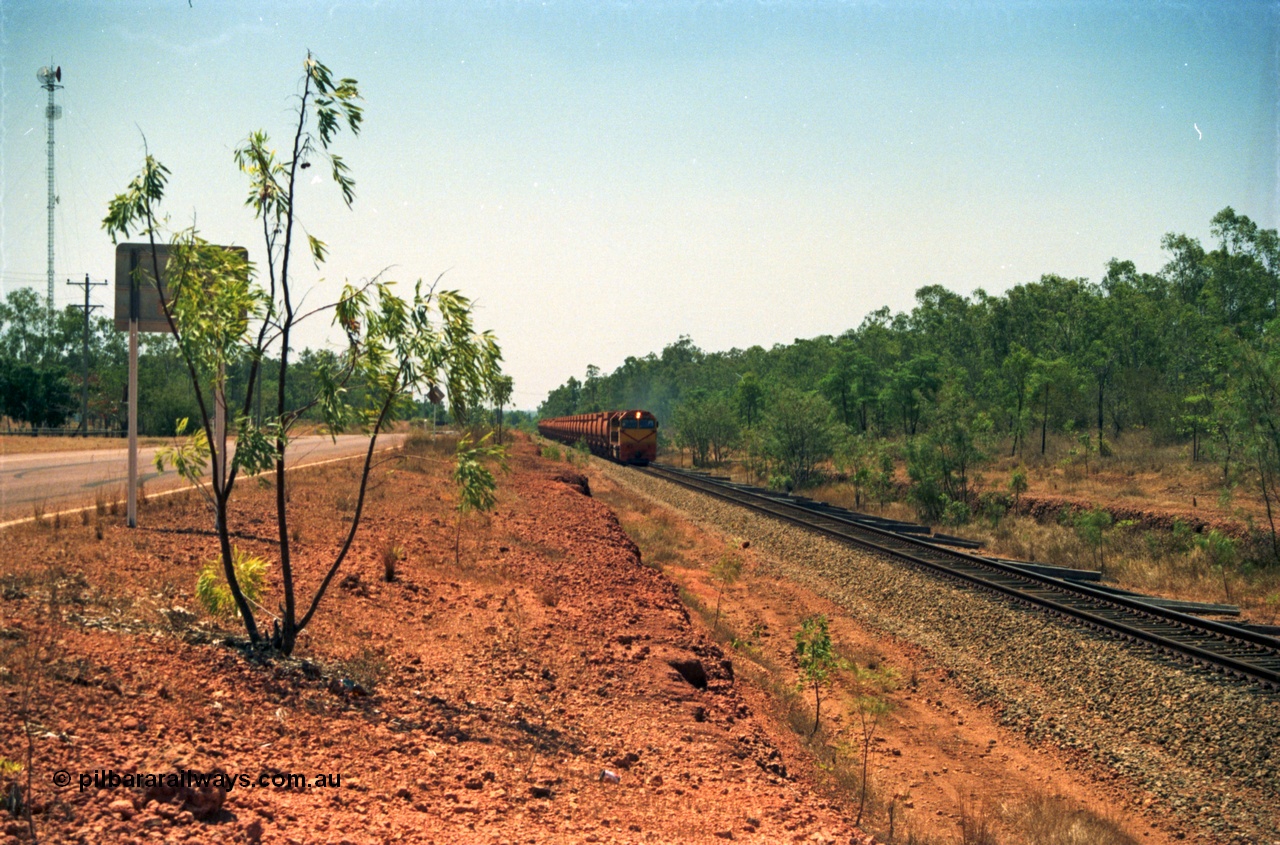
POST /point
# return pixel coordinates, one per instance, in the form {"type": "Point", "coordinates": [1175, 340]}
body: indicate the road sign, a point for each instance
{"type": "Point", "coordinates": [133, 262]}
{"type": "Point", "coordinates": [138, 310]}
{"type": "Point", "coordinates": [434, 395]}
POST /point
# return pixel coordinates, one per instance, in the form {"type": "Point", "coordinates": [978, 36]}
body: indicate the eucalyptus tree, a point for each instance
{"type": "Point", "coordinates": [220, 315]}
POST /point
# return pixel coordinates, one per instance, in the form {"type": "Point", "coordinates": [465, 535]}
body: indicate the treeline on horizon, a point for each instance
{"type": "Point", "coordinates": [1188, 354]}
{"type": "Point", "coordinates": [42, 366]}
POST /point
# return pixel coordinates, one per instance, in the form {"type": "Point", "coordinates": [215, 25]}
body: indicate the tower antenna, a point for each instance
{"type": "Point", "coordinates": [49, 79]}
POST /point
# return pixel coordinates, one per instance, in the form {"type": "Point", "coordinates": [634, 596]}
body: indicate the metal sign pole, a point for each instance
{"type": "Point", "coordinates": [138, 310]}
{"type": "Point", "coordinates": [220, 427]}
{"type": "Point", "coordinates": [133, 395]}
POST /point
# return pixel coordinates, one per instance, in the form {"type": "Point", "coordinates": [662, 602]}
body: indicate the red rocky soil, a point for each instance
{"type": "Point", "coordinates": [550, 688]}
{"type": "Point", "coordinates": [938, 761]}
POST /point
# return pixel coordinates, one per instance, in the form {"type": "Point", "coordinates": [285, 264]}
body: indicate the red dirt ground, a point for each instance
{"type": "Point", "coordinates": [538, 692]}
{"type": "Point", "coordinates": [937, 756]}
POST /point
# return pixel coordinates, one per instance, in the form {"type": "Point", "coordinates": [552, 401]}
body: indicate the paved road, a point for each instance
{"type": "Point", "coordinates": [54, 481]}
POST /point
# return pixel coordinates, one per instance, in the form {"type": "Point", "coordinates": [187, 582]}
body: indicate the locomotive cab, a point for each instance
{"type": "Point", "coordinates": [626, 436]}
{"type": "Point", "coordinates": [637, 437]}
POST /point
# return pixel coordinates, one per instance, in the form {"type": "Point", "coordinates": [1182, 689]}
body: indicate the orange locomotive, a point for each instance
{"type": "Point", "coordinates": [627, 436]}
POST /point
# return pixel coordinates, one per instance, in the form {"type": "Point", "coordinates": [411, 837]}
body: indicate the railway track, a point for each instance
{"type": "Point", "coordinates": [1221, 646]}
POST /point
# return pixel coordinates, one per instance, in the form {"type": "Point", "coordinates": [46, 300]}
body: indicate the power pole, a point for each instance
{"type": "Point", "coordinates": [49, 79]}
{"type": "Point", "coordinates": [84, 384]}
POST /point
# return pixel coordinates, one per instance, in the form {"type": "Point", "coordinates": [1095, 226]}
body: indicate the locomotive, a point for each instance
{"type": "Point", "coordinates": [630, 437]}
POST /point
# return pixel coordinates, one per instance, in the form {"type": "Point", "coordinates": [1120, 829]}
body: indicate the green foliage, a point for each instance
{"type": "Point", "coordinates": [749, 397]}
{"type": "Point", "coordinates": [226, 322]}
{"type": "Point", "coordinates": [856, 456]}
{"type": "Point", "coordinates": [500, 392]}
{"type": "Point", "coordinates": [38, 397]}
{"type": "Point", "coordinates": [1092, 527]}
{"type": "Point", "coordinates": [816, 657]}
{"type": "Point", "coordinates": [871, 710]}
{"type": "Point", "coordinates": [1017, 485]}
{"type": "Point", "coordinates": [1190, 352]}
{"type": "Point", "coordinates": [213, 592]}
{"type": "Point", "coordinates": [708, 427]}
{"type": "Point", "coordinates": [799, 436]}
{"type": "Point", "coordinates": [1222, 552]}
{"type": "Point", "coordinates": [187, 458]}
{"type": "Point", "coordinates": [725, 572]}
{"type": "Point", "coordinates": [477, 487]}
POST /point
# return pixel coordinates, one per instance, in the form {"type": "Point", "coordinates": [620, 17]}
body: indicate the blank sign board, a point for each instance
{"type": "Point", "coordinates": [134, 263]}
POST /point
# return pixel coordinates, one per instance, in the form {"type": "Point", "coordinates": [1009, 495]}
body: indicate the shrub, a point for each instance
{"type": "Point", "coordinates": [725, 572]}
{"type": "Point", "coordinates": [391, 555]}
{"type": "Point", "coordinates": [817, 659]}
{"type": "Point", "coordinates": [211, 587]}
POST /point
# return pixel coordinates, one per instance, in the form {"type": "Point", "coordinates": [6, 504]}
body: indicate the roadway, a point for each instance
{"type": "Point", "coordinates": [53, 481]}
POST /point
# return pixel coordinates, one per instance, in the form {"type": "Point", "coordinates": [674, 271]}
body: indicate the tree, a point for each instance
{"type": "Point", "coordinates": [1195, 419]}
{"type": "Point", "coordinates": [500, 392]}
{"type": "Point", "coordinates": [1092, 527]}
{"type": "Point", "coordinates": [1017, 486]}
{"type": "Point", "coordinates": [725, 572]}
{"type": "Point", "coordinates": [939, 463]}
{"type": "Point", "coordinates": [220, 317]}
{"type": "Point", "coordinates": [707, 426]}
{"type": "Point", "coordinates": [799, 435]}
{"type": "Point", "coordinates": [817, 660]}
{"type": "Point", "coordinates": [750, 397]}
{"type": "Point", "coordinates": [38, 397]}
{"type": "Point", "coordinates": [1046, 377]}
{"type": "Point", "coordinates": [871, 709]}
{"type": "Point", "coordinates": [911, 388]}
{"type": "Point", "coordinates": [1016, 374]}
{"type": "Point", "coordinates": [477, 488]}
{"type": "Point", "coordinates": [838, 387]}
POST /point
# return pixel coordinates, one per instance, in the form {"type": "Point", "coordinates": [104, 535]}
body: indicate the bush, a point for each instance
{"type": "Point", "coordinates": [211, 587]}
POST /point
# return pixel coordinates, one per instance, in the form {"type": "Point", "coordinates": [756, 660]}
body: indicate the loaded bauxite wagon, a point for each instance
{"type": "Point", "coordinates": [627, 436]}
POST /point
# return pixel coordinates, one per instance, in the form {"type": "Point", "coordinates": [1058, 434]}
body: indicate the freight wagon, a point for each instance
{"type": "Point", "coordinates": [630, 437]}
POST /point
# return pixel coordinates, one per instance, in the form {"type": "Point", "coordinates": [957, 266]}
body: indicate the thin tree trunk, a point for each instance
{"type": "Point", "coordinates": [1044, 421]}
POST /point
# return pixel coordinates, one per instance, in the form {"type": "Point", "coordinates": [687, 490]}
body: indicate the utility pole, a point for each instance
{"type": "Point", "coordinates": [84, 384]}
{"type": "Point", "coordinates": [49, 79]}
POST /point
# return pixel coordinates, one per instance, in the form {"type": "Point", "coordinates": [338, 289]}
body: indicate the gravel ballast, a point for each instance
{"type": "Point", "coordinates": [1204, 747]}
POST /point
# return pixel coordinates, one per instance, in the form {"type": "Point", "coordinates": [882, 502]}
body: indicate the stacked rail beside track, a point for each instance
{"type": "Point", "coordinates": [1221, 646]}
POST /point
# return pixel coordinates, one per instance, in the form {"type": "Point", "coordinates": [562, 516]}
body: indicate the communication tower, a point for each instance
{"type": "Point", "coordinates": [49, 79]}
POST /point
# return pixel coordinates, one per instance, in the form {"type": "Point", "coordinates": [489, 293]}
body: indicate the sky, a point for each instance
{"type": "Point", "coordinates": [604, 177]}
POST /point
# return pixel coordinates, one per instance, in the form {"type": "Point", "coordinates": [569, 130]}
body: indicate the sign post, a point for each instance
{"type": "Point", "coordinates": [138, 309]}
{"type": "Point", "coordinates": [434, 396]}
{"type": "Point", "coordinates": [134, 304]}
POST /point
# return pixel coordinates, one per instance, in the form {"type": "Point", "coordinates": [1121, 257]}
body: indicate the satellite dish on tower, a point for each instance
{"type": "Point", "coordinates": [48, 75]}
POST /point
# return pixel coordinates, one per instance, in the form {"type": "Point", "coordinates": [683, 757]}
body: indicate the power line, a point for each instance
{"type": "Point", "coordinates": [84, 383]}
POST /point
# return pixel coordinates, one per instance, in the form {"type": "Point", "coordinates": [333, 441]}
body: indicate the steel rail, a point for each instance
{"type": "Point", "coordinates": [1244, 653]}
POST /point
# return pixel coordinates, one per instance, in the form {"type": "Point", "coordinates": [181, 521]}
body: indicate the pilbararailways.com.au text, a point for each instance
{"type": "Point", "coordinates": [111, 779]}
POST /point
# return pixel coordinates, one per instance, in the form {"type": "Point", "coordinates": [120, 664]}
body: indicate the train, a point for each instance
{"type": "Point", "coordinates": [629, 437]}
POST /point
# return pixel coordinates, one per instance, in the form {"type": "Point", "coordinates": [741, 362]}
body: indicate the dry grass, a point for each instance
{"type": "Point", "coordinates": [421, 448]}
{"type": "Point", "coordinates": [838, 758]}
{"type": "Point", "coordinates": [1037, 819]}
{"type": "Point", "coordinates": [652, 528]}
{"type": "Point", "coordinates": [1050, 820]}
{"type": "Point", "coordinates": [1138, 473]}
{"type": "Point", "coordinates": [14, 444]}
{"type": "Point", "coordinates": [1156, 562]}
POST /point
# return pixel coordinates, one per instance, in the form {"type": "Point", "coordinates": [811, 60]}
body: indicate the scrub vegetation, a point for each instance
{"type": "Point", "coordinates": [1140, 389]}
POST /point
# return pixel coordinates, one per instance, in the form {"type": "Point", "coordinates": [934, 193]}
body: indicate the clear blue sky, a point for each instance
{"type": "Point", "coordinates": [603, 177]}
